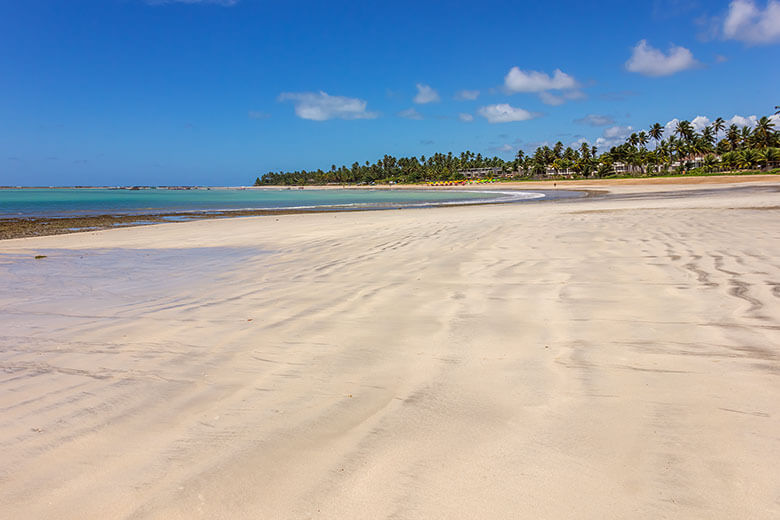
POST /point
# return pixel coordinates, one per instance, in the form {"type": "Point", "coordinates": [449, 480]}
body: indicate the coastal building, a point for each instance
{"type": "Point", "coordinates": [692, 161]}
{"type": "Point", "coordinates": [622, 168]}
{"type": "Point", "coordinates": [560, 172]}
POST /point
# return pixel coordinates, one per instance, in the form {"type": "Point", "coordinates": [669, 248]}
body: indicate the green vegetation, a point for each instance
{"type": "Point", "coordinates": [684, 151]}
{"type": "Point", "coordinates": [389, 169]}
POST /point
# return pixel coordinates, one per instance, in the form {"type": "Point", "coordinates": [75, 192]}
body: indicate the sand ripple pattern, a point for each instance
{"type": "Point", "coordinates": [584, 359]}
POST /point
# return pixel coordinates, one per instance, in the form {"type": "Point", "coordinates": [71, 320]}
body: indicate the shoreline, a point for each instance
{"type": "Point", "coordinates": [716, 178]}
{"type": "Point", "coordinates": [22, 227]}
{"type": "Point", "coordinates": [610, 356]}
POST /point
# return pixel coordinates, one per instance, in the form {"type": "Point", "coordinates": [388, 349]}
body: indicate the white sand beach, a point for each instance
{"type": "Point", "coordinates": [598, 358]}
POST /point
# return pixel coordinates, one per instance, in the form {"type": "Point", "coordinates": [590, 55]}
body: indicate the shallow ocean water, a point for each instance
{"type": "Point", "coordinates": [73, 202]}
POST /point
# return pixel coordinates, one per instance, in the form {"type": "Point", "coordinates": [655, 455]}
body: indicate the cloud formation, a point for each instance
{"type": "Point", "coordinates": [650, 61]}
{"type": "Point", "coordinates": [320, 106]}
{"type": "Point", "coordinates": [670, 126]}
{"type": "Point", "coordinates": [467, 118]}
{"type": "Point", "coordinates": [699, 122]}
{"type": "Point", "coordinates": [505, 113]}
{"type": "Point", "coordinates": [535, 82]}
{"type": "Point", "coordinates": [518, 80]}
{"type": "Point", "coordinates": [410, 113]}
{"type": "Point", "coordinates": [425, 94]}
{"type": "Point", "coordinates": [749, 121]}
{"type": "Point", "coordinates": [464, 95]}
{"type": "Point", "coordinates": [746, 22]}
{"type": "Point", "coordinates": [595, 120]}
{"type": "Point", "coordinates": [613, 136]}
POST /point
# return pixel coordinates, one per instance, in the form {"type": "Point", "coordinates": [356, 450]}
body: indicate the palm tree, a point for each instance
{"type": "Point", "coordinates": [637, 160]}
{"type": "Point", "coordinates": [707, 138]}
{"type": "Point", "coordinates": [709, 162]}
{"type": "Point", "coordinates": [763, 132]}
{"type": "Point", "coordinates": [732, 136]}
{"type": "Point", "coordinates": [769, 156]}
{"type": "Point", "coordinates": [684, 129]}
{"type": "Point", "coordinates": [718, 125]}
{"type": "Point", "coordinates": [642, 138]}
{"type": "Point", "coordinates": [656, 131]}
{"type": "Point", "coordinates": [662, 154]}
{"type": "Point", "coordinates": [730, 159]}
{"type": "Point", "coordinates": [745, 136]}
{"type": "Point", "coordinates": [585, 151]}
{"type": "Point", "coordinates": [681, 149]}
{"type": "Point", "coordinates": [701, 146]}
{"type": "Point", "coordinates": [747, 159]}
{"type": "Point", "coordinates": [671, 147]}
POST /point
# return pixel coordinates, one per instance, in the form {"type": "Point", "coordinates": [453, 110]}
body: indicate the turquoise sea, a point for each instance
{"type": "Point", "coordinates": [73, 202]}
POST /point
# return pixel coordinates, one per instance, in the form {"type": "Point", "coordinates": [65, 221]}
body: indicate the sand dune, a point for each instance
{"type": "Point", "coordinates": [600, 358]}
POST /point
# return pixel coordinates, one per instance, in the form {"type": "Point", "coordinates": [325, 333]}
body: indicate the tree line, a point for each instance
{"type": "Point", "coordinates": [717, 146]}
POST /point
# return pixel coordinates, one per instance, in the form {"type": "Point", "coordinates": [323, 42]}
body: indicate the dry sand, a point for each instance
{"type": "Point", "coordinates": [602, 358]}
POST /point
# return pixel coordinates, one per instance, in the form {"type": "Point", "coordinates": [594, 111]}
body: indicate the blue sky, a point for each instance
{"type": "Point", "coordinates": [217, 92]}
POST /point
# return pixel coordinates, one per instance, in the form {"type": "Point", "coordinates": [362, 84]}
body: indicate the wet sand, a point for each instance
{"type": "Point", "coordinates": [615, 357]}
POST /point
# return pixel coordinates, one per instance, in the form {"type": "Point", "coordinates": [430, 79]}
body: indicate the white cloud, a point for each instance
{"type": "Point", "coordinates": [320, 106]}
{"type": "Point", "coordinates": [650, 61]}
{"type": "Point", "coordinates": [595, 120]}
{"type": "Point", "coordinates": [746, 22]}
{"type": "Point", "coordinates": [577, 143]}
{"type": "Point", "coordinates": [425, 94]}
{"type": "Point", "coordinates": [467, 95]}
{"type": "Point", "coordinates": [518, 80]}
{"type": "Point", "coordinates": [751, 121]}
{"type": "Point", "coordinates": [613, 136]}
{"type": "Point", "coordinates": [618, 131]}
{"type": "Point", "coordinates": [743, 121]}
{"type": "Point", "coordinates": [533, 81]}
{"type": "Point", "coordinates": [410, 113]}
{"type": "Point", "coordinates": [504, 113]}
{"type": "Point", "coordinates": [466, 117]}
{"type": "Point", "coordinates": [551, 99]}
{"type": "Point", "coordinates": [699, 122]}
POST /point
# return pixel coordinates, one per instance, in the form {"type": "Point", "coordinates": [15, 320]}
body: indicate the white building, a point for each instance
{"type": "Point", "coordinates": [564, 172]}
{"type": "Point", "coordinates": [622, 168]}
